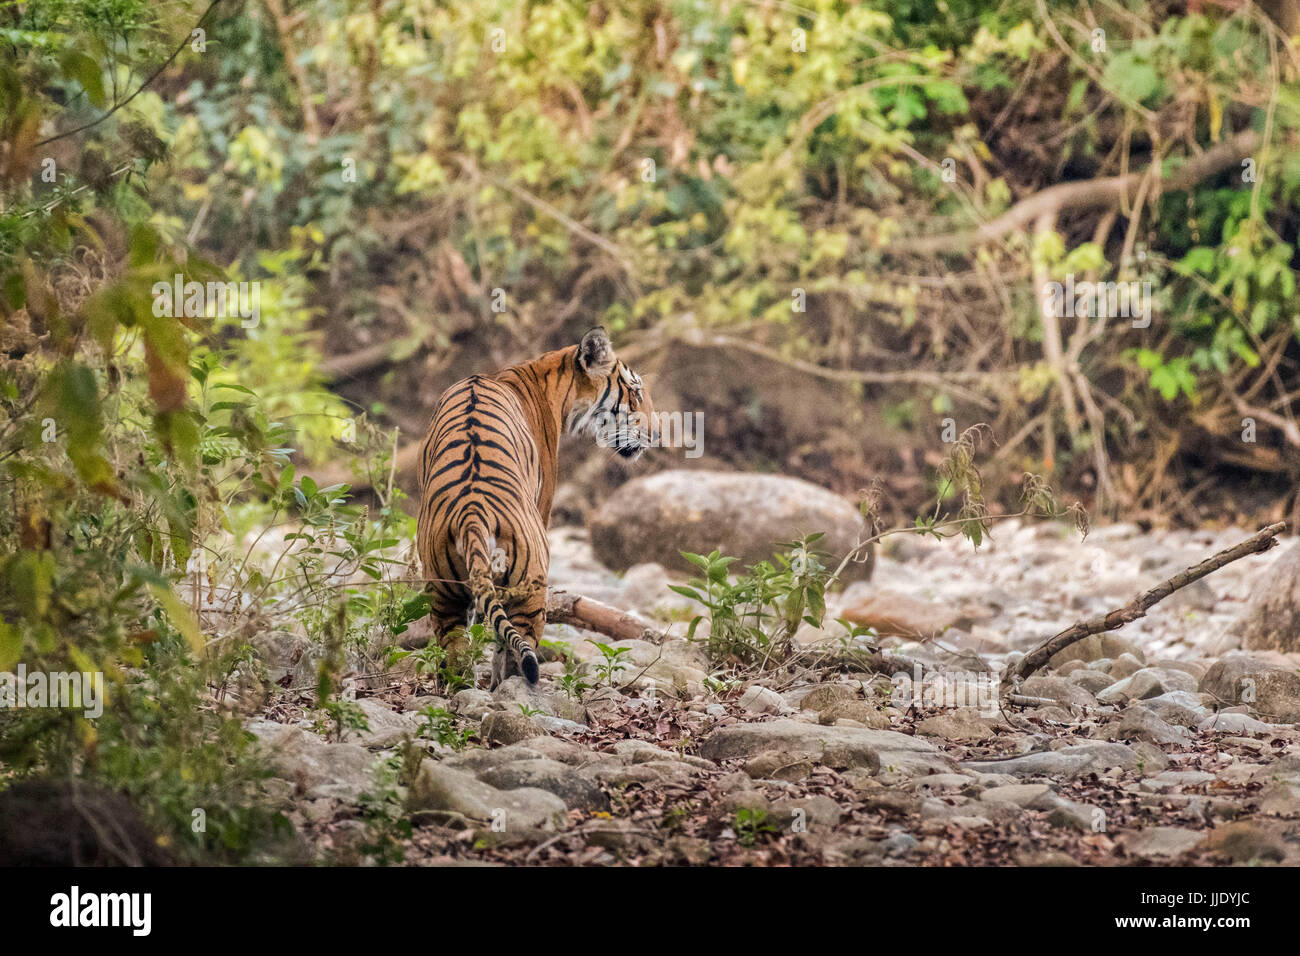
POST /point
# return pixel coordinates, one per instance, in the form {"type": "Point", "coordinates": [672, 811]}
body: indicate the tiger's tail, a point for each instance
{"type": "Point", "coordinates": [477, 546]}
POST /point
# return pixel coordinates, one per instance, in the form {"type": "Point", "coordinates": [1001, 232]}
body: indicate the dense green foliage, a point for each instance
{"type": "Point", "coordinates": [146, 456]}
{"type": "Point", "coordinates": [473, 179]}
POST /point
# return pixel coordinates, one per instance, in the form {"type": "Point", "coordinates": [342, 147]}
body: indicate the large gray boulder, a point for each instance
{"type": "Point", "coordinates": [320, 769]}
{"type": "Point", "coordinates": [386, 726]}
{"type": "Point", "coordinates": [441, 789]}
{"type": "Point", "coordinates": [838, 747]}
{"type": "Point", "coordinates": [1271, 621]}
{"type": "Point", "coordinates": [1268, 689]}
{"type": "Point", "coordinates": [577, 792]}
{"type": "Point", "coordinates": [656, 517]}
{"type": "Point", "coordinates": [1070, 761]}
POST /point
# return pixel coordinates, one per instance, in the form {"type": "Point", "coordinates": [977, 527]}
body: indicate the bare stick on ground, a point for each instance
{"type": "Point", "coordinates": [592, 615]}
{"type": "Point", "coordinates": [1257, 543]}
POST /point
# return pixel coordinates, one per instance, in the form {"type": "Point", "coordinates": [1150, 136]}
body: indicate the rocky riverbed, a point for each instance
{"type": "Point", "coordinates": [1163, 742]}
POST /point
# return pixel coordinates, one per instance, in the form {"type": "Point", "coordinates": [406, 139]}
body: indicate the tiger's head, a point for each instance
{"type": "Point", "coordinates": [611, 403]}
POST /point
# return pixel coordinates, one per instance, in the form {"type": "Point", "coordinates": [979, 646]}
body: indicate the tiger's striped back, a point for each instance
{"type": "Point", "coordinates": [487, 477]}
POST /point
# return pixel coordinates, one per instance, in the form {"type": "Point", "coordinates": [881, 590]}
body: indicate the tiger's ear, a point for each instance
{"type": "Point", "coordinates": [596, 354]}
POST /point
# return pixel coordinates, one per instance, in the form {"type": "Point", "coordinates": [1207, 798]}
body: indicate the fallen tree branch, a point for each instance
{"type": "Point", "coordinates": [592, 615]}
{"type": "Point", "coordinates": [1024, 701]}
{"type": "Point", "coordinates": [1257, 543]}
{"type": "Point", "coordinates": [350, 364]}
{"type": "Point", "coordinates": [565, 608]}
{"type": "Point", "coordinates": [1084, 194]}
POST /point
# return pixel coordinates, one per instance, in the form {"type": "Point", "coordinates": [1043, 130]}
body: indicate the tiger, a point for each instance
{"type": "Point", "coordinates": [487, 480]}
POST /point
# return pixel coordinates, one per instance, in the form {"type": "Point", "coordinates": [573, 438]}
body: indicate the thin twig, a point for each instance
{"type": "Point", "coordinates": [544, 207]}
{"type": "Point", "coordinates": [139, 89]}
{"type": "Point", "coordinates": [1257, 543]}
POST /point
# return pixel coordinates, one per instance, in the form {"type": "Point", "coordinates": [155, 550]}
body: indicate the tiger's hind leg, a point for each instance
{"type": "Point", "coordinates": [450, 632]}
{"type": "Point", "coordinates": [501, 666]}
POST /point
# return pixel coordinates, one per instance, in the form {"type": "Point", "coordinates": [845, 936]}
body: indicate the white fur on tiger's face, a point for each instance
{"type": "Point", "coordinates": [616, 410]}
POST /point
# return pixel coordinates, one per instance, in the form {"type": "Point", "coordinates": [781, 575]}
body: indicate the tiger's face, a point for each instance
{"type": "Point", "coordinates": [611, 404]}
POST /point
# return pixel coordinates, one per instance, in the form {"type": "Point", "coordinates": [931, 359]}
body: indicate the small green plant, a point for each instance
{"type": "Point", "coordinates": [241, 662]}
{"type": "Point", "coordinates": [452, 670]}
{"type": "Point", "coordinates": [750, 822]}
{"type": "Point", "coordinates": [429, 659]}
{"type": "Point", "coordinates": [674, 818]}
{"type": "Point", "coordinates": [338, 715]}
{"type": "Point", "coordinates": [753, 616]}
{"type": "Point", "coordinates": [855, 636]}
{"type": "Point", "coordinates": [719, 683]}
{"type": "Point", "coordinates": [441, 726]}
{"type": "Point", "coordinates": [571, 681]}
{"type": "Point", "coordinates": [386, 823]}
{"type": "Point", "coordinates": [572, 684]}
{"type": "Point", "coordinates": [613, 661]}
{"type": "Point", "coordinates": [468, 647]}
